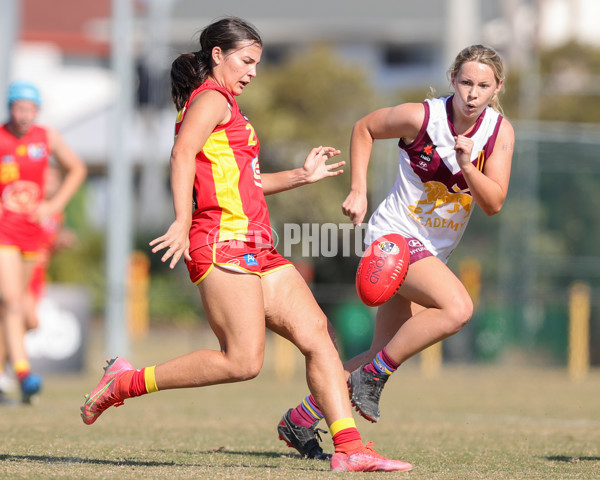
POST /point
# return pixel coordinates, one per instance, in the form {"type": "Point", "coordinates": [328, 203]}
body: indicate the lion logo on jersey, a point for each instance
{"type": "Point", "coordinates": [437, 195]}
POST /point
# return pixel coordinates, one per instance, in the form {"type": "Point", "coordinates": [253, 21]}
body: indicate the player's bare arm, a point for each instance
{"type": "Point", "coordinates": [75, 174]}
{"type": "Point", "coordinates": [208, 110]}
{"type": "Point", "coordinates": [315, 168]}
{"type": "Point", "coordinates": [402, 121]}
{"type": "Point", "coordinates": [489, 189]}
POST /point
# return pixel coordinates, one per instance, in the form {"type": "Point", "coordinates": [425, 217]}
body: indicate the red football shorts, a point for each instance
{"type": "Point", "coordinates": [18, 232]}
{"type": "Point", "coordinates": [26, 254]}
{"type": "Point", "coordinates": [236, 256]}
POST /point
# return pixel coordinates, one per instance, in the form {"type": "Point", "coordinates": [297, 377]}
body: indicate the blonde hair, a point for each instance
{"type": "Point", "coordinates": [485, 55]}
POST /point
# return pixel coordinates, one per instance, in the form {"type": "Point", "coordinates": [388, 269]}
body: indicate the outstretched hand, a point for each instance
{"type": "Point", "coordinates": [176, 241]}
{"type": "Point", "coordinates": [316, 167]}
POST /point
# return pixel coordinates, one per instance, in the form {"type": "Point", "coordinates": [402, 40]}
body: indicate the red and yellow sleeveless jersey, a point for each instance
{"type": "Point", "coordinates": [23, 163]}
{"type": "Point", "coordinates": [229, 203]}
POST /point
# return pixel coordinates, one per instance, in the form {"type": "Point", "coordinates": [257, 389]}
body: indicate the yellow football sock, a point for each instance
{"type": "Point", "coordinates": [342, 424]}
{"type": "Point", "coordinates": [150, 379]}
{"type": "Point", "coordinates": [21, 366]}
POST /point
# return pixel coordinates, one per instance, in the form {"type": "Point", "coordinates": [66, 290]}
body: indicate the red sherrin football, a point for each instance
{"type": "Point", "coordinates": [382, 269]}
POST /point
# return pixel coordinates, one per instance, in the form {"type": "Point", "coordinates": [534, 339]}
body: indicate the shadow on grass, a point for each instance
{"type": "Point", "coordinates": [91, 461]}
{"type": "Point", "coordinates": [228, 452]}
{"type": "Point", "coordinates": [224, 451]}
{"type": "Point", "coordinates": [566, 459]}
{"type": "Point", "coordinates": [48, 459]}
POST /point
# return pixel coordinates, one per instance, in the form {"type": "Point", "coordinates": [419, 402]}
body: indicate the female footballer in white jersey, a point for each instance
{"type": "Point", "coordinates": [455, 152]}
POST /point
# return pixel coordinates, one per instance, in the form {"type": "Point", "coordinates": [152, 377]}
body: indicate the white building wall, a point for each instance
{"type": "Point", "coordinates": [561, 21]}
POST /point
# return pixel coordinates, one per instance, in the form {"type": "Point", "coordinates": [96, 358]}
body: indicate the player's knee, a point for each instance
{"type": "Point", "coordinates": [247, 373]}
{"type": "Point", "coordinates": [459, 313]}
{"type": "Point", "coordinates": [248, 368]}
{"type": "Point", "coordinates": [314, 336]}
{"type": "Point", "coordinates": [13, 308]}
{"type": "Point", "coordinates": [32, 322]}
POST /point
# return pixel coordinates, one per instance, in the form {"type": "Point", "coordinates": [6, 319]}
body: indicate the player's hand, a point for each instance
{"type": "Point", "coordinates": [355, 207]}
{"type": "Point", "coordinates": [44, 211]}
{"type": "Point", "coordinates": [463, 149]}
{"type": "Point", "coordinates": [316, 167]}
{"type": "Point", "coordinates": [176, 241]}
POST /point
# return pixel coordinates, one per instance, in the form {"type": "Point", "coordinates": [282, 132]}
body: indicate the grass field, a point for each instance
{"type": "Point", "coordinates": [469, 423]}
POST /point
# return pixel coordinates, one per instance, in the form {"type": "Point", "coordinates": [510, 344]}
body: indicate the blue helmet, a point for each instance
{"type": "Point", "coordinates": [21, 90]}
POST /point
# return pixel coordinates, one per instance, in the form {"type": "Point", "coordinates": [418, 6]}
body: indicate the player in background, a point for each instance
{"type": "Point", "coordinates": [54, 237]}
{"type": "Point", "coordinates": [222, 231]}
{"type": "Point", "coordinates": [25, 149]}
{"type": "Point", "coordinates": [455, 152]}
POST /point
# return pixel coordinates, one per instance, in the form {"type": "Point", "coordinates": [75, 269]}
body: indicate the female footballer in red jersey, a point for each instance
{"type": "Point", "coordinates": [25, 149]}
{"type": "Point", "coordinates": [222, 230]}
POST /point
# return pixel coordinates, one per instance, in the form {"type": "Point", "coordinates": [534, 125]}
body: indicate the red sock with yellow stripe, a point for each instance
{"type": "Point", "coordinates": [22, 369]}
{"type": "Point", "coordinates": [139, 382]}
{"type": "Point", "coordinates": [346, 438]}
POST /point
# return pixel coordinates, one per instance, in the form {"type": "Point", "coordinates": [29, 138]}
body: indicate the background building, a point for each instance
{"type": "Point", "coordinates": [67, 44]}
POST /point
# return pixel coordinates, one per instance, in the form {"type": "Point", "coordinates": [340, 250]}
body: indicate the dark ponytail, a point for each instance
{"type": "Point", "coordinates": [188, 72]}
{"type": "Point", "coordinates": [191, 70]}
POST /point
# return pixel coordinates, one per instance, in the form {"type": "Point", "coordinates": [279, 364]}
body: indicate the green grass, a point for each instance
{"type": "Point", "coordinates": [469, 423]}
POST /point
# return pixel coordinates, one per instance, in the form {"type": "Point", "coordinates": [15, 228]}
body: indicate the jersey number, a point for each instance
{"type": "Point", "coordinates": [252, 135]}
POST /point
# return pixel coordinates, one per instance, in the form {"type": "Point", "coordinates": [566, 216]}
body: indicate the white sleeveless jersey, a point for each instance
{"type": "Point", "coordinates": [430, 199]}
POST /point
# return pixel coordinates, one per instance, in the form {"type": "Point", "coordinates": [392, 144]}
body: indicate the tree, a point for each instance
{"type": "Point", "coordinates": [313, 98]}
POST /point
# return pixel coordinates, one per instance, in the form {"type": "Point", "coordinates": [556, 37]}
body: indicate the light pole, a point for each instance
{"type": "Point", "coordinates": [120, 185]}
